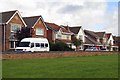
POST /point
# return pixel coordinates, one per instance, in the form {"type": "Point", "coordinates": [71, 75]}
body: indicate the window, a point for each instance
{"type": "Point", "coordinates": [37, 44]}
{"type": "Point", "coordinates": [15, 27]}
{"type": "Point", "coordinates": [32, 45]}
{"type": "Point", "coordinates": [59, 36]}
{"type": "Point", "coordinates": [42, 44]}
{"type": "Point", "coordinates": [80, 37]}
{"type": "Point", "coordinates": [46, 45]}
{"type": "Point", "coordinates": [68, 37]}
{"type": "Point", "coordinates": [39, 31]}
{"type": "Point", "coordinates": [24, 44]}
{"type": "Point", "coordinates": [13, 44]}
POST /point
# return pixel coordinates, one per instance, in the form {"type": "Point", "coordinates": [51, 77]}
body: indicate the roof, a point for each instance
{"type": "Point", "coordinates": [75, 30]}
{"type": "Point", "coordinates": [100, 34]}
{"type": "Point", "coordinates": [91, 33]}
{"type": "Point", "coordinates": [56, 27]}
{"type": "Point", "coordinates": [53, 26]}
{"type": "Point", "coordinates": [89, 40]}
{"type": "Point", "coordinates": [108, 35]}
{"type": "Point", "coordinates": [7, 16]}
{"type": "Point", "coordinates": [30, 21]}
{"type": "Point", "coordinates": [65, 30]}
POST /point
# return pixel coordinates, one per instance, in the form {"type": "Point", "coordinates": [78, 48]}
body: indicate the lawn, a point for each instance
{"type": "Point", "coordinates": [103, 66]}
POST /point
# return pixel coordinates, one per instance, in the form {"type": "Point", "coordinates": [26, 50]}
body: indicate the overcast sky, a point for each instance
{"type": "Point", "coordinates": [98, 15]}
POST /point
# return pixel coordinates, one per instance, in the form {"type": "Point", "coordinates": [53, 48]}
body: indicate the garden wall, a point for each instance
{"type": "Point", "coordinates": [54, 54]}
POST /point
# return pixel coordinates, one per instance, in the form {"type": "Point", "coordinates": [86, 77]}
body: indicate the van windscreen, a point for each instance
{"type": "Point", "coordinates": [24, 44]}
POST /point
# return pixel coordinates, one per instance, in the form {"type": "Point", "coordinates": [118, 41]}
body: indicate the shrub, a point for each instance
{"type": "Point", "coordinates": [59, 46]}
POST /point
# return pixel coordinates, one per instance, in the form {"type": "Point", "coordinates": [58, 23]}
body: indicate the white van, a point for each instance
{"type": "Point", "coordinates": [33, 44]}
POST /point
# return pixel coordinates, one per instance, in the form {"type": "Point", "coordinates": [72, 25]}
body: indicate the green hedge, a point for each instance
{"type": "Point", "coordinates": [59, 46]}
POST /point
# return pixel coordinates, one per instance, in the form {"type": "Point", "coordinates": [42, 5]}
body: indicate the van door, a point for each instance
{"type": "Point", "coordinates": [37, 46]}
{"type": "Point", "coordinates": [32, 47]}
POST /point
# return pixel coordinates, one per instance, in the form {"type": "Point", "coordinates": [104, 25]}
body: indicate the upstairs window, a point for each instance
{"type": "Point", "coordinates": [68, 37]}
{"type": "Point", "coordinates": [80, 37]}
{"type": "Point", "coordinates": [39, 31]}
{"type": "Point", "coordinates": [59, 36]}
{"type": "Point", "coordinates": [15, 27]}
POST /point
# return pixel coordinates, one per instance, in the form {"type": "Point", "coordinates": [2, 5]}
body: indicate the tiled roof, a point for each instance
{"type": "Point", "coordinates": [100, 34]}
{"type": "Point", "coordinates": [64, 30]}
{"type": "Point", "coordinates": [6, 16]}
{"type": "Point", "coordinates": [53, 26]}
{"type": "Point", "coordinates": [56, 27]}
{"type": "Point", "coordinates": [75, 30]}
{"type": "Point", "coordinates": [30, 21]}
{"type": "Point", "coordinates": [89, 40]}
{"type": "Point", "coordinates": [91, 33]}
{"type": "Point", "coordinates": [108, 35]}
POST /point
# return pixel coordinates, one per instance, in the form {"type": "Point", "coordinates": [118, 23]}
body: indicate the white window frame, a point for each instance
{"type": "Point", "coordinates": [18, 25]}
{"type": "Point", "coordinates": [14, 46]}
{"type": "Point", "coordinates": [41, 32]}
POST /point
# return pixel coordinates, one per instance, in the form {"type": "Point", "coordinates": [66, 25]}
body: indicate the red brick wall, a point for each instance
{"type": "Point", "coordinates": [52, 54]}
{"type": "Point", "coordinates": [49, 35]}
{"type": "Point", "coordinates": [16, 19]}
{"type": "Point", "coordinates": [39, 24]}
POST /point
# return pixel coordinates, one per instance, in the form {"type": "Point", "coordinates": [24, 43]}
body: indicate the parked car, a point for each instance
{"type": "Point", "coordinates": [91, 49]}
{"type": "Point", "coordinates": [33, 44]}
{"type": "Point", "coordinates": [104, 49]}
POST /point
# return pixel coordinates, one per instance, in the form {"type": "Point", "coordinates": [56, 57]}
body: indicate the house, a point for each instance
{"type": "Point", "coordinates": [58, 33]}
{"type": "Point", "coordinates": [91, 39]}
{"type": "Point", "coordinates": [110, 41]}
{"type": "Point", "coordinates": [78, 32]}
{"type": "Point", "coordinates": [116, 43]}
{"type": "Point", "coordinates": [10, 22]}
{"type": "Point", "coordinates": [102, 38]}
{"type": "Point", "coordinates": [37, 26]}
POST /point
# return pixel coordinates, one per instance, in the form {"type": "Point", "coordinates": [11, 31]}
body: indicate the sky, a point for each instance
{"type": "Point", "coordinates": [95, 15]}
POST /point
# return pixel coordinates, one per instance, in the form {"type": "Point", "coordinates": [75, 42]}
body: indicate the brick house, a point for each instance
{"type": "Point", "coordinates": [58, 33]}
{"type": "Point", "coordinates": [10, 22]}
{"type": "Point", "coordinates": [37, 26]}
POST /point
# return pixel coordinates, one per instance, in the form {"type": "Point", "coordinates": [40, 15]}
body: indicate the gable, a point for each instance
{"type": "Point", "coordinates": [16, 15]}
{"type": "Point", "coordinates": [41, 23]}
{"type": "Point", "coordinates": [5, 16]}
{"type": "Point", "coordinates": [8, 16]}
{"type": "Point", "coordinates": [75, 30]}
{"type": "Point", "coordinates": [16, 19]}
{"type": "Point", "coordinates": [81, 32]}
